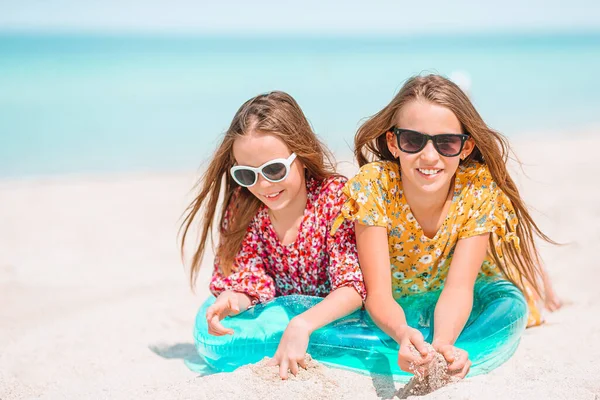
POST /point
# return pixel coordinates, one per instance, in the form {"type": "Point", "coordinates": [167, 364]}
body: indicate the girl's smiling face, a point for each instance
{"type": "Point", "coordinates": [427, 172]}
{"type": "Point", "coordinates": [254, 150]}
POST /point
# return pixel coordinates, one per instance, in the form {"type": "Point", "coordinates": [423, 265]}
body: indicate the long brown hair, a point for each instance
{"type": "Point", "coordinates": [491, 148]}
{"type": "Point", "coordinates": [275, 113]}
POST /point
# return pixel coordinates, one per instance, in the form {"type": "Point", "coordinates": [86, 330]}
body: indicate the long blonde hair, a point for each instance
{"type": "Point", "coordinates": [491, 148]}
{"type": "Point", "coordinates": [275, 113]}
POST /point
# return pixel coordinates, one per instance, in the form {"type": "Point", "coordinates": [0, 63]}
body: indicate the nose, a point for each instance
{"type": "Point", "coordinates": [262, 182]}
{"type": "Point", "coordinates": [429, 153]}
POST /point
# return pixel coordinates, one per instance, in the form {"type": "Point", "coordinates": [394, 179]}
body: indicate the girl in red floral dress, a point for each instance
{"type": "Point", "coordinates": [281, 197]}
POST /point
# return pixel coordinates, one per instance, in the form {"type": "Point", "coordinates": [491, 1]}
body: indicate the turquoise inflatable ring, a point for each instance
{"type": "Point", "coordinates": [491, 335]}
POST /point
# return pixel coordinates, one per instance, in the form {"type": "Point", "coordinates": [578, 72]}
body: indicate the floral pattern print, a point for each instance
{"type": "Point", "coordinates": [315, 264]}
{"type": "Point", "coordinates": [419, 263]}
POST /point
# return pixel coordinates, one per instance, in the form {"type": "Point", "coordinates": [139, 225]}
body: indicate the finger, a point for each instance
{"type": "Point", "coordinates": [419, 360]}
{"type": "Point", "coordinates": [220, 310]}
{"type": "Point", "coordinates": [302, 363]}
{"type": "Point", "coordinates": [210, 312]}
{"type": "Point", "coordinates": [461, 358]}
{"type": "Point", "coordinates": [212, 331]}
{"type": "Point", "coordinates": [425, 360]}
{"type": "Point", "coordinates": [408, 353]}
{"type": "Point", "coordinates": [464, 371]}
{"type": "Point", "coordinates": [421, 347]}
{"type": "Point", "coordinates": [450, 354]}
{"type": "Point", "coordinates": [419, 343]}
{"type": "Point", "coordinates": [407, 366]}
{"type": "Point", "coordinates": [407, 361]}
{"type": "Point", "coordinates": [293, 367]}
{"type": "Point", "coordinates": [273, 361]}
{"type": "Point", "coordinates": [457, 366]}
{"type": "Point", "coordinates": [283, 369]}
{"type": "Point", "coordinates": [468, 368]}
{"type": "Point", "coordinates": [217, 327]}
{"type": "Point", "coordinates": [216, 333]}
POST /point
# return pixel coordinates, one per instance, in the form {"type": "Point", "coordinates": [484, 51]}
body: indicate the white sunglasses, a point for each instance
{"type": "Point", "coordinates": [273, 171]}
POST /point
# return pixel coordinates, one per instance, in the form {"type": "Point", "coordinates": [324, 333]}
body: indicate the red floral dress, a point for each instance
{"type": "Point", "coordinates": [315, 264]}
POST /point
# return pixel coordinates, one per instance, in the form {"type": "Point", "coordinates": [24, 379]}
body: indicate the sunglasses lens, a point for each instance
{"type": "Point", "coordinates": [245, 177]}
{"type": "Point", "coordinates": [275, 172]}
{"type": "Point", "coordinates": [411, 142]}
{"type": "Point", "coordinates": [448, 145]}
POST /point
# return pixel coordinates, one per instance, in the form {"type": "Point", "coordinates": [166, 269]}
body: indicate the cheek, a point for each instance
{"type": "Point", "coordinates": [406, 160]}
{"type": "Point", "coordinates": [295, 179]}
{"type": "Point", "coordinates": [254, 190]}
{"type": "Point", "coordinates": [452, 163]}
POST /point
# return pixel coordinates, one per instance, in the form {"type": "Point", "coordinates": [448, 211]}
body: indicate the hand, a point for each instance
{"type": "Point", "coordinates": [457, 359]}
{"type": "Point", "coordinates": [226, 304]}
{"type": "Point", "coordinates": [414, 355]}
{"type": "Point", "coordinates": [292, 348]}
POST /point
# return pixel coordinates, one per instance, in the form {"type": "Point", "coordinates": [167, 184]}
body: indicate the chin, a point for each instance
{"type": "Point", "coordinates": [433, 187]}
{"type": "Point", "coordinates": [428, 187]}
{"type": "Point", "coordinates": [278, 206]}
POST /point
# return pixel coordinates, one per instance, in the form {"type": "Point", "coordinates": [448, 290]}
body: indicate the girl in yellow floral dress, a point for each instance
{"type": "Point", "coordinates": [435, 208]}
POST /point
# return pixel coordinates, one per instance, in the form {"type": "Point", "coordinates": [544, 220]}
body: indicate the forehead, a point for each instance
{"type": "Point", "coordinates": [255, 149]}
{"type": "Point", "coordinates": [427, 117]}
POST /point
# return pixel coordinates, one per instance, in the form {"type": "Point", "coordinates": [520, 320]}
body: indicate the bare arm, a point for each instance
{"type": "Point", "coordinates": [456, 300]}
{"type": "Point", "coordinates": [374, 256]}
{"type": "Point", "coordinates": [336, 305]}
{"type": "Point", "coordinates": [294, 342]}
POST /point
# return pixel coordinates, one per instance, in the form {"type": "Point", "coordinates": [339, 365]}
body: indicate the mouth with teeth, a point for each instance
{"type": "Point", "coordinates": [429, 172]}
{"type": "Point", "coordinates": [273, 196]}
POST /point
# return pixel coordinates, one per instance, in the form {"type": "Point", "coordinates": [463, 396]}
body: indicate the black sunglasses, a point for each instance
{"type": "Point", "coordinates": [447, 144]}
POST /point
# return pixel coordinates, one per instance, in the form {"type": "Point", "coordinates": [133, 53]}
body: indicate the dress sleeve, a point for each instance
{"type": "Point", "coordinates": [344, 268]}
{"type": "Point", "coordinates": [489, 210]}
{"type": "Point", "coordinates": [249, 274]}
{"type": "Point", "coordinates": [365, 198]}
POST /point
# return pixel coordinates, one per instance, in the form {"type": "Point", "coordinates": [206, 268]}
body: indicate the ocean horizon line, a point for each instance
{"type": "Point", "coordinates": [26, 42]}
{"type": "Point", "coordinates": [6, 32]}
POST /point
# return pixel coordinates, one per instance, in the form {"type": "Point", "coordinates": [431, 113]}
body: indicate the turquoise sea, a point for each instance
{"type": "Point", "coordinates": [109, 103]}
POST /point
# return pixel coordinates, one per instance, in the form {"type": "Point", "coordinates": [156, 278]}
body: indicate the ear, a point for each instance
{"type": "Point", "coordinates": [392, 143]}
{"type": "Point", "coordinates": [468, 148]}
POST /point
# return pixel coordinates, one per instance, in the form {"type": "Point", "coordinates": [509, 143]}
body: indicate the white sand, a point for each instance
{"type": "Point", "coordinates": [94, 302]}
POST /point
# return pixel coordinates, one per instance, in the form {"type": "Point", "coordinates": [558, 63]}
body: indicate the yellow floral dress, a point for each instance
{"type": "Point", "coordinates": [419, 263]}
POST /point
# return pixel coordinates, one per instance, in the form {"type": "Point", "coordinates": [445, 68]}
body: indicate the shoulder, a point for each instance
{"type": "Point", "coordinates": [477, 184]}
{"type": "Point", "coordinates": [376, 175]}
{"type": "Point", "coordinates": [334, 183]}
{"type": "Point", "coordinates": [475, 175]}
{"type": "Point", "coordinates": [380, 169]}
{"type": "Point", "coordinates": [327, 190]}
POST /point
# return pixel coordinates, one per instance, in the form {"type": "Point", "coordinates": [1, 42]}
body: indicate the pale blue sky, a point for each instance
{"type": "Point", "coordinates": [300, 16]}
